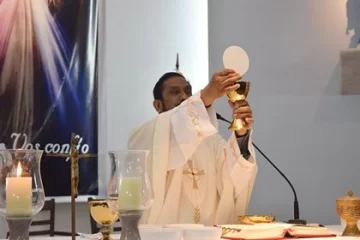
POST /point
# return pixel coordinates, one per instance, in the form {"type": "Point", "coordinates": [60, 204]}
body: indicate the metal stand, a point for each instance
{"type": "Point", "coordinates": [19, 228]}
{"type": "Point", "coordinates": [129, 224]}
{"type": "Point", "coordinates": [73, 217]}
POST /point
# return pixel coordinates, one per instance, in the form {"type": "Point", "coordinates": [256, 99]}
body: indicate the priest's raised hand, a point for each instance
{"type": "Point", "coordinates": [220, 83]}
{"type": "Point", "coordinates": [197, 176]}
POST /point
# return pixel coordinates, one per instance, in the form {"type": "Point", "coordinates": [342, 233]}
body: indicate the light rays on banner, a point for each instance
{"type": "Point", "coordinates": [29, 34]}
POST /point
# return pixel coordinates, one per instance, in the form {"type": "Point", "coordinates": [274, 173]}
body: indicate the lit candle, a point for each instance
{"type": "Point", "coordinates": [129, 193]}
{"type": "Point", "coordinates": [18, 194]}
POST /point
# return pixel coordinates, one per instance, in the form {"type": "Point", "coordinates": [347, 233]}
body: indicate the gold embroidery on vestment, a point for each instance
{"type": "Point", "coordinates": [194, 117]}
{"type": "Point", "coordinates": [197, 215]}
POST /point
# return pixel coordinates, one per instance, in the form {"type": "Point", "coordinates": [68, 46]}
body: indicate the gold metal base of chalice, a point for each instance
{"type": "Point", "coordinates": [236, 97]}
{"type": "Point", "coordinates": [348, 208]}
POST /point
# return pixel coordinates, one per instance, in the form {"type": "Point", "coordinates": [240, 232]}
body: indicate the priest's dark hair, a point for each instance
{"type": "Point", "coordinates": [158, 89]}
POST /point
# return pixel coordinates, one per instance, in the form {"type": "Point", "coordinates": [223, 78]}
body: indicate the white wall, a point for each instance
{"type": "Point", "coordinates": [141, 41]}
{"type": "Point", "coordinates": [301, 120]}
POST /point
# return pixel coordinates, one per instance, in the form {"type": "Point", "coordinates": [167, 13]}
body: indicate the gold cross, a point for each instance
{"type": "Point", "coordinates": [74, 159]}
{"type": "Point", "coordinates": [194, 173]}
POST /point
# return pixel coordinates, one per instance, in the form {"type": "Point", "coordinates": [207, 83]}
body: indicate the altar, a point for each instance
{"type": "Point", "coordinates": [153, 234]}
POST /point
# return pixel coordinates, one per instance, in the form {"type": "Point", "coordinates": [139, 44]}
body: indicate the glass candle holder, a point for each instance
{"type": "Point", "coordinates": [129, 190]}
{"type": "Point", "coordinates": [21, 189]}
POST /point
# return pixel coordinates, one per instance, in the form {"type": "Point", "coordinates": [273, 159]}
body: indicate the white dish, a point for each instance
{"type": "Point", "coordinates": [184, 225]}
{"type": "Point", "coordinates": [160, 234]}
{"type": "Point", "coordinates": [202, 233]}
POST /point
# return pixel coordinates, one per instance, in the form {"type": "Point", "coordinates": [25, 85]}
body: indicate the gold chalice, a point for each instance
{"type": "Point", "coordinates": [104, 216]}
{"type": "Point", "coordinates": [348, 208]}
{"type": "Point", "coordinates": [236, 58]}
{"type": "Point", "coordinates": [237, 97]}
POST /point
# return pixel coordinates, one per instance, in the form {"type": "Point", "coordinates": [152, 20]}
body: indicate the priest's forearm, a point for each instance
{"type": "Point", "coordinates": [206, 97]}
{"type": "Point", "coordinates": [243, 142]}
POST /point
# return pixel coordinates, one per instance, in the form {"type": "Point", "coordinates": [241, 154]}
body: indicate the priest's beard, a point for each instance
{"type": "Point", "coordinates": [165, 108]}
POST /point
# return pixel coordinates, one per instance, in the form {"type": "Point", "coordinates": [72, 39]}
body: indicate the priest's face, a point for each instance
{"type": "Point", "coordinates": [174, 91]}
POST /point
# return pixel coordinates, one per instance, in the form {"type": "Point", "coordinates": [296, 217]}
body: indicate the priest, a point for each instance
{"type": "Point", "coordinates": [197, 176]}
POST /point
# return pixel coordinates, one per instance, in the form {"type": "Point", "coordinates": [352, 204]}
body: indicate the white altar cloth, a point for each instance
{"type": "Point", "coordinates": [335, 228]}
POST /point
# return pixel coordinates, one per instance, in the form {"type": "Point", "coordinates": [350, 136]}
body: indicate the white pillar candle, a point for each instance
{"type": "Point", "coordinates": [129, 197]}
{"type": "Point", "coordinates": [18, 194]}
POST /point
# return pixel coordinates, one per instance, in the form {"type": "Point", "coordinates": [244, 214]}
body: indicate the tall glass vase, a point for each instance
{"type": "Point", "coordinates": [21, 189]}
{"type": "Point", "coordinates": [129, 190]}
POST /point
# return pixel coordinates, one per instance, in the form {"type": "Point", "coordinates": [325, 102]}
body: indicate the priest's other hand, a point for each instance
{"type": "Point", "coordinates": [220, 83]}
{"type": "Point", "coordinates": [242, 110]}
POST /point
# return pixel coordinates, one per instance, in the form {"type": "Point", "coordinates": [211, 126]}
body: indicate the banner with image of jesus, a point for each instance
{"type": "Point", "coordinates": [48, 85]}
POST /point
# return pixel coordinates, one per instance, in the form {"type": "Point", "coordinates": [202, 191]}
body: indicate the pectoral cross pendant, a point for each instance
{"type": "Point", "coordinates": [195, 174]}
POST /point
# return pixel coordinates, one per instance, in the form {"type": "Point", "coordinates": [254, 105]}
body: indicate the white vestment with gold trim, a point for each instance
{"type": "Point", "coordinates": [197, 176]}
